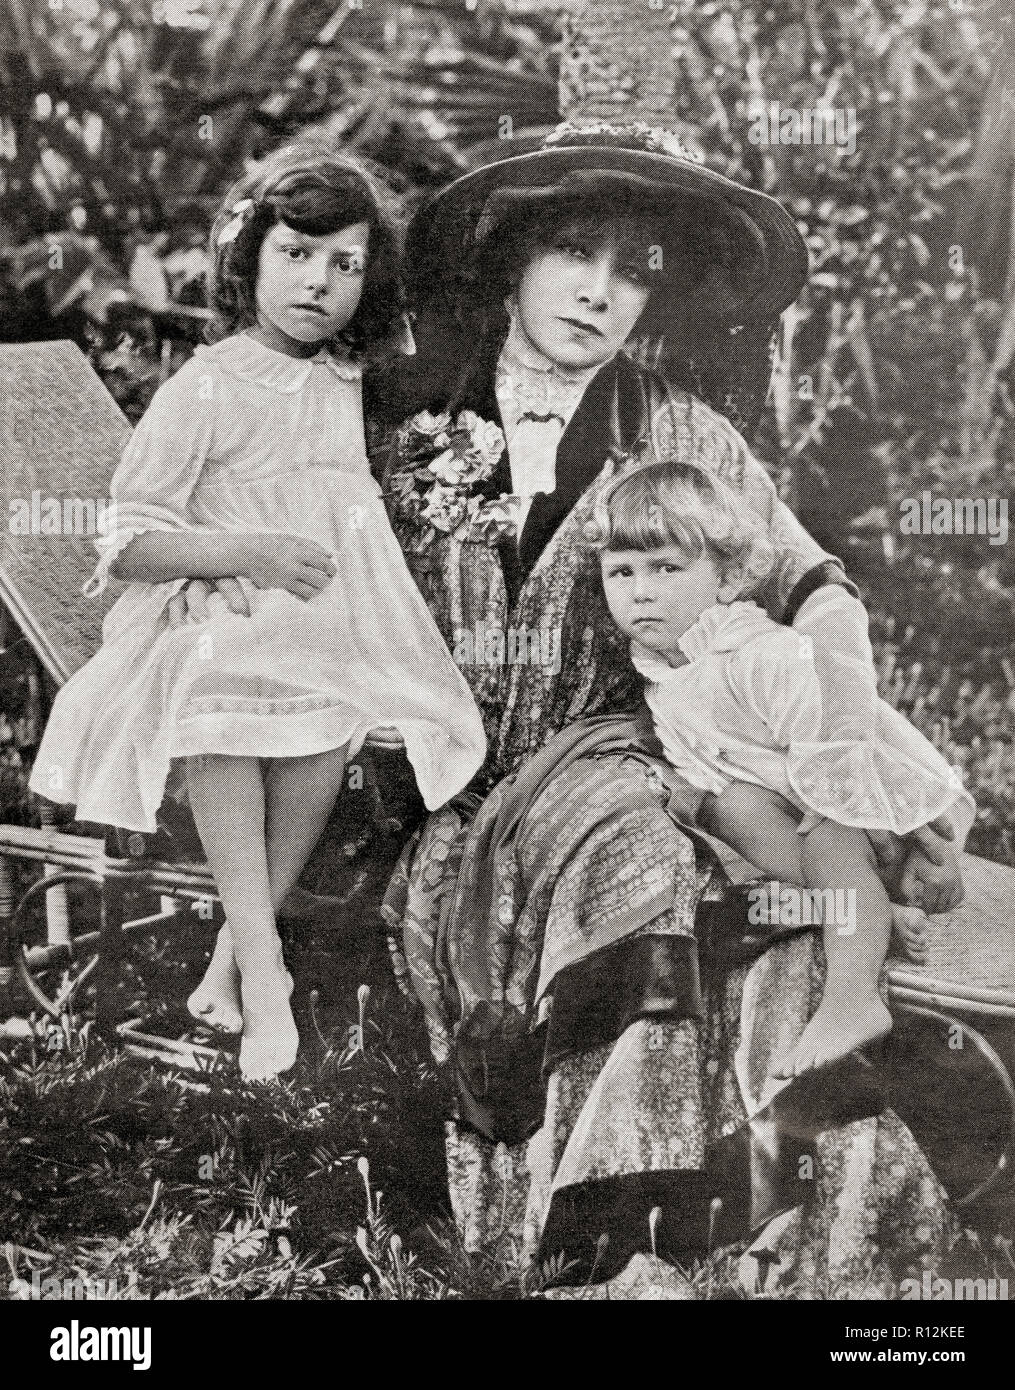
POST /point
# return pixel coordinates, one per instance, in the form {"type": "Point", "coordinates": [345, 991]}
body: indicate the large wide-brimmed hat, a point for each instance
{"type": "Point", "coordinates": [634, 168]}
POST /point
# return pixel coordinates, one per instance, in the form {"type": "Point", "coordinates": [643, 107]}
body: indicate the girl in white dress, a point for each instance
{"type": "Point", "coordinates": [251, 462]}
{"type": "Point", "coordinates": [738, 704]}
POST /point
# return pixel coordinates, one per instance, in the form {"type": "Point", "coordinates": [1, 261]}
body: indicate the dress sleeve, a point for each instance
{"type": "Point", "coordinates": [867, 766]}
{"type": "Point", "coordinates": [871, 769]}
{"type": "Point", "coordinates": [155, 477]}
{"type": "Point", "coordinates": [834, 625]}
{"type": "Point", "coordinates": [775, 678]}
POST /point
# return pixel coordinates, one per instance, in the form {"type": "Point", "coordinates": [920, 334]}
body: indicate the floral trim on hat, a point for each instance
{"type": "Point", "coordinates": [639, 135]}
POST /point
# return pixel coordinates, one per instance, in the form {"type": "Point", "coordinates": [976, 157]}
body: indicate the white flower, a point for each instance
{"type": "Point", "coordinates": [448, 468]}
{"type": "Point", "coordinates": [486, 438]}
{"type": "Point", "coordinates": [426, 424]}
{"type": "Point", "coordinates": [490, 442]}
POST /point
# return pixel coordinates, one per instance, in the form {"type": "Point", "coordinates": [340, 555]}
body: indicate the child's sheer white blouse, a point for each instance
{"type": "Point", "coordinates": [750, 705]}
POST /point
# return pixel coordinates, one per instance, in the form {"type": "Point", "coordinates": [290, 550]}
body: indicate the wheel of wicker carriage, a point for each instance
{"type": "Point", "coordinates": [957, 1009]}
{"type": "Point", "coordinates": [52, 970]}
{"type": "Point", "coordinates": [953, 1089]}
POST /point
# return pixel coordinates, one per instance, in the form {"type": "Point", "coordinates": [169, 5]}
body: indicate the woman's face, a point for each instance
{"type": "Point", "coordinates": [308, 287]}
{"type": "Point", "coordinates": [580, 297]}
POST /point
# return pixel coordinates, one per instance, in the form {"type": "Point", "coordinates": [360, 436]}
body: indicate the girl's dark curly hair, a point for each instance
{"type": "Point", "coordinates": [316, 190]}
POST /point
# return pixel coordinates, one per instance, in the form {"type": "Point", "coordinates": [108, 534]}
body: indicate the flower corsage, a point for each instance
{"type": "Point", "coordinates": [437, 482]}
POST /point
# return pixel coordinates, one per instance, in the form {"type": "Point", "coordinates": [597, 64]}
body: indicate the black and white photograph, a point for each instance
{"type": "Point", "coordinates": [507, 664]}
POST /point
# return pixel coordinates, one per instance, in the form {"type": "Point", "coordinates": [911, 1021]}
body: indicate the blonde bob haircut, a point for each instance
{"type": "Point", "coordinates": [669, 503]}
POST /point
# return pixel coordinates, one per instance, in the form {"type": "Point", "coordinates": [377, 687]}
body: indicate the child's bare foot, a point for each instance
{"type": "Point", "coordinates": [909, 933]}
{"type": "Point", "coordinates": [216, 1001]}
{"type": "Point", "coordinates": [837, 1029]}
{"type": "Point", "coordinates": [270, 1039]}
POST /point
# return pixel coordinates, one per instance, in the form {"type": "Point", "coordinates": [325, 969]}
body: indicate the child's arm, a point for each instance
{"type": "Point", "coordinates": [834, 628]}
{"type": "Point", "coordinates": [152, 557]}
{"type": "Point", "coordinates": [155, 477]}
{"type": "Point", "coordinates": [835, 625]}
{"type": "Point", "coordinates": [153, 539]}
{"type": "Point", "coordinates": [818, 694]}
{"type": "Point", "coordinates": [268, 560]}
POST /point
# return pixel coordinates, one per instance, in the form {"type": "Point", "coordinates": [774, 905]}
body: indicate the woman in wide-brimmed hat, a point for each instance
{"type": "Point", "coordinates": [751, 261]}
{"type": "Point", "coordinates": [588, 1023]}
{"type": "Point", "coordinates": [725, 262]}
{"type": "Point", "coordinates": [511, 328]}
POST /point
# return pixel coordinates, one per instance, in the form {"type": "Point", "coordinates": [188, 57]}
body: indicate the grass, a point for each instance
{"type": "Point", "coordinates": [122, 1178]}
{"type": "Point", "coordinates": [196, 1185]}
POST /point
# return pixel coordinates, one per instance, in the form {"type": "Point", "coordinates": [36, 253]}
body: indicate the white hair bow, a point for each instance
{"type": "Point", "coordinates": [242, 212]}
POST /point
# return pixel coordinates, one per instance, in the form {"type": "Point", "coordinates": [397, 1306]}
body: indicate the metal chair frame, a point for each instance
{"type": "Point", "coordinates": [84, 861]}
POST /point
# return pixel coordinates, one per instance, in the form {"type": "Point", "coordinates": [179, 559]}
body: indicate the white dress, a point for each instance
{"type": "Point", "coordinates": [244, 438]}
{"type": "Point", "coordinates": [748, 707]}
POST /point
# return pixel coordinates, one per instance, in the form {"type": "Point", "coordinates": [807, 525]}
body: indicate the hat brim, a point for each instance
{"type": "Point", "coordinates": [444, 232]}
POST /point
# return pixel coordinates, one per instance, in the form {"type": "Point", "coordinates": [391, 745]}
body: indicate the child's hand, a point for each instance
{"type": "Point", "coordinates": [299, 566]}
{"type": "Point", "coordinates": [194, 603]}
{"type": "Point", "coordinates": [934, 887]}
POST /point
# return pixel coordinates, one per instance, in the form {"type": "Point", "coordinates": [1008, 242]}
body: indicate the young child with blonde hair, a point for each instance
{"type": "Point", "coordinates": [736, 701]}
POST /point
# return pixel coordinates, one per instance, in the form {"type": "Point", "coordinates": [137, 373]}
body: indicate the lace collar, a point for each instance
{"type": "Point", "coordinates": [250, 360]}
{"type": "Point", "coordinates": [725, 627]}
{"type": "Point", "coordinates": [531, 381]}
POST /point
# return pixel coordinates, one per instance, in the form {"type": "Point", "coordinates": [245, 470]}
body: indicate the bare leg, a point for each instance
{"type": "Point", "coordinates": [216, 1001]}
{"type": "Point", "coordinates": [227, 799]}
{"type": "Point", "coordinates": [300, 794]}
{"type": "Point", "coordinates": [851, 1013]}
{"type": "Point", "coordinates": [761, 826]}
